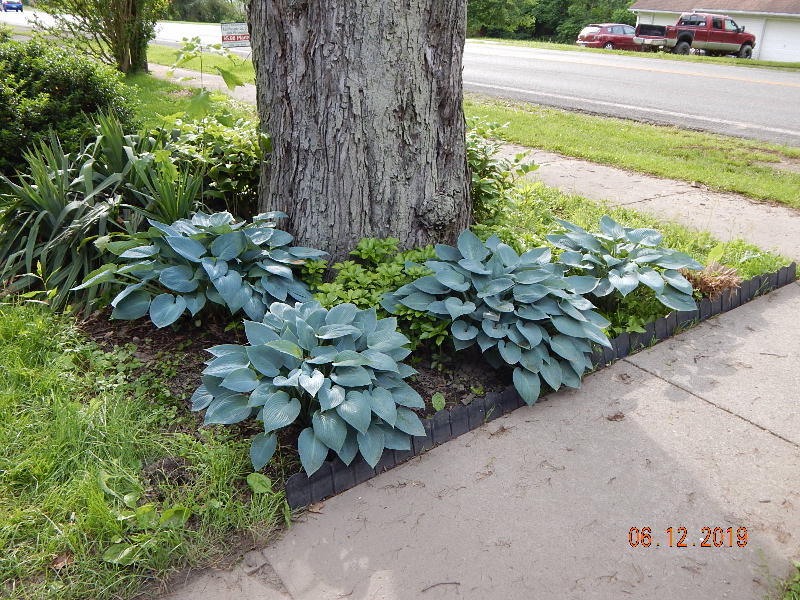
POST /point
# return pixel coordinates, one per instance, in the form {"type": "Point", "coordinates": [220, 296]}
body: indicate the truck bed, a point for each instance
{"type": "Point", "coordinates": [646, 30]}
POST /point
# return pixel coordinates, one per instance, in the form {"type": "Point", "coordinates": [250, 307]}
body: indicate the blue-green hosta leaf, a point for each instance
{"type": "Point", "coordinates": [531, 331]}
{"type": "Point", "coordinates": [581, 284]}
{"type": "Point", "coordinates": [551, 373]}
{"type": "Point", "coordinates": [651, 279]}
{"type": "Point", "coordinates": [571, 258]}
{"type": "Point", "coordinates": [474, 266]}
{"type": "Point", "coordinates": [457, 308]}
{"type": "Point", "coordinates": [305, 334]}
{"type": "Point", "coordinates": [569, 326]}
{"type": "Point", "coordinates": [371, 444]}
{"type": "Point", "coordinates": [448, 253]}
{"type": "Point", "coordinates": [568, 309]}
{"type": "Point", "coordinates": [311, 383]}
{"type": "Point", "coordinates": [471, 247]}
{"type": "Point", "coordinates": [385, 341]}
{"type": "Point", "coordinates": [133, 305]}
{"type": "Point", "coordinates": [311, 450]}
{"type": "Point", "coordinates": [330, 396]}
{"type": "Point", "coordinates": [229, 245]}
{"type": "Point", "coordinates": [394, 439]}
{"type": "Point", "coordinates": [507, 255]}
{"type": "Point", "coordinates": [463, 331]}
{"type": "Point", "coordinates": [336, 330]}
{"type": "Point", "coordinates": [528, 293]}
{"type": "Point", "coordinates": [329, 428]}
{"type": "Point", "coordinates": [531, 360]}
{"type": "Point", "coordinates": [417, 301]}
{"type": "Point", "coordinates": [678, 260]}
{"type": "Point", "coordinates": [258, 333]}
{"type": "Point", "coordinates": [611, 228]}
{"type": "Point", "coordinates": [595, 334]}
{"type": "Point", "coordinates": [349, 448]}
{"type": "Point", "coordinates": [406, 370]}
{"type": "Point", "coordinates": [678, 281]}
{"type": "Point", "coordinates": [286, 347]}
{"type": "Point", "coordinates": [383, 404]}
{"type": "Point", "coordinates": [140, 252]}
{"type": "Point", "coordinates": [188, 248]}
{"type": "Point", "coordinates": [201, 398]}
{"type": "Point", "coordinates": [495, 303]}
{"type": "Point", "coordinates": [228, 285]}
{"type": "Point", "coordinates": [323, 355]}
{"type": "Point", "coordinates": [262, 448]}
{"type": "Point", "coordinates": [676, 300]}
{"type": "Point", "coordinates": [349, 358]}
{"type": "Point", "coordinates": [225, 364]}
{"type": "Point", "coordinates": [493, 287]}
{"type": "Point", "coordinates": [379, 361]}
{"type": "Point", "coordinates": [341, 314]}
{"type": "Point", "coordinates": [259, 235]}
{"type": "Point", "coordinates": [646, 237]}
{"type": "Point", "coordinates": [509, 352]}
{"type": "Point", "coordinates": [351, 376]}
{"type": "Point", "coordinates": [568, 376]}
{"type": "Point", "coordinates": [408, 421]}
{"type": "Point", "coordinates": [494, 329]}
{"type": "Point", "coordinates": [266, 360]}
{"type": "Point", "coordinates": [277, 287]}
{"type": "Point", "coordinates": [356, 410]}
{"type": "Point", "coordinates": [405, 395]}
{"type": "Point", "coordinates": [241, 380]}
{"type": "Point", "coordinates": [430, 285]}
{"type": "Point", "coordinates": [279, 411]}
{"type": "Point", "coordinates": [563, 346]}
{"type": "Point", "coordinates": [195, 302]}
{"type": "Point", "coordinates": [531, 313]}
{"type": "Point", "coordinates": [260, 395]}
{"type": "Point", "coordinates": [536, 256]}
{"type": "Point", "coordinates": [527, 385]}
{"type": "Point", "coordinates": [452, 279]}
{"type": "Point", "coordinates": [485, 342]}
{"type": "Point", "coordinates": [178, 278]}
{"type": "Point", "coordinates": [624, 282]}
{"type": "Point", "coordinates": [302, 252]}
{"type": "Point", "coordinates": [165, 309]}
{"type": "Point", "coordinates": [228, 410]}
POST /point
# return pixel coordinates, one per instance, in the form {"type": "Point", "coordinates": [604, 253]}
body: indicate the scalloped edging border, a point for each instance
{"type": "Point", "coordinates": [335, 477]}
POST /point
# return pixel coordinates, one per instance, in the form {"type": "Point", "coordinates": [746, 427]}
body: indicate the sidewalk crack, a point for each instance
{"type": "Point", "coordinates": [712, 403]}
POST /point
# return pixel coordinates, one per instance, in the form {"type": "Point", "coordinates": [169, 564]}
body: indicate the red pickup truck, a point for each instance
{"type": "Point", "coordinates": [717, 35]}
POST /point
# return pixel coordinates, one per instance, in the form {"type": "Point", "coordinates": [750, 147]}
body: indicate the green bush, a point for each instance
{"type": "Point", "coordinates": [336, 372]}
{"type": "Point", "coordinates": [206, 11]}
{"type": "Point", "coordinates": [44, 88]}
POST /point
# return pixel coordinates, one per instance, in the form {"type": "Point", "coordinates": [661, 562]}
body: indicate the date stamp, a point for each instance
{"type": "Point", "coordinates": [676, 537]}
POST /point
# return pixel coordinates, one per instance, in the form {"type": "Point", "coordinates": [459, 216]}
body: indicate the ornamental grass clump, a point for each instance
{"type": "Point", "coordinates": [173, 269]}
{"type": "Point", "coordinates": [336, 373]}
{"type": "Point", "coordinates": [521, 310]}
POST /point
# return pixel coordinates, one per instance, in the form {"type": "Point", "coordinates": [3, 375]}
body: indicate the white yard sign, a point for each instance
{"type": "Point", "coordinates": [235, 35]}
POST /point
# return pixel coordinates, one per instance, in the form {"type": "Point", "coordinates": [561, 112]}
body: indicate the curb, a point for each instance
{"type": "Point", "coordinates": [335, 477]}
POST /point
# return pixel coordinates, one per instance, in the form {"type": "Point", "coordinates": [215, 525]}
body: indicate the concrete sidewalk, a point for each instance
{"type": "Point", "coordinates": [700, 431]}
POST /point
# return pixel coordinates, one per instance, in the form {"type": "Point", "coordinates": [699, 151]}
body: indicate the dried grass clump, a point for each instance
{"type": "Point", "coordinates": [714, 279]}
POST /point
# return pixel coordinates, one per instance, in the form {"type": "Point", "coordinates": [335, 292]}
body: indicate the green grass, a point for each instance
{"type": "Point", "coordinates": [791, 587]}
{"type": "Point", "coordinates": [156, 100]}
{"type": "Point", "coordinates": [720, 162]}
{"type": "Point", "coordinates": [78, 428]}
{"type": "Point", "coordinates": [739, 62]}
{"type": "Point", "coordinates": [166, 55]}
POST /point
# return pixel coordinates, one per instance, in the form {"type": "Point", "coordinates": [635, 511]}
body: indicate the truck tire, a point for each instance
{"type": "Point", "coordinates": [682, 48]}
{"type": "Point", "coordinates": [746, 51]}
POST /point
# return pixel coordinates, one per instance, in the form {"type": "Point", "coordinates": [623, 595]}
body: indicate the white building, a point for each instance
{"type": "Point", "coordinates": [775, 23]}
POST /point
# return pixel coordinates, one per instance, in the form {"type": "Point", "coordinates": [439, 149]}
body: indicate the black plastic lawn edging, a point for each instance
{"type": "Point", "coordinates": [335, 477]}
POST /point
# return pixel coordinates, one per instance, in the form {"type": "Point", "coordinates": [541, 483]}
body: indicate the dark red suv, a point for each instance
{"type": "Point", "coordinates": [607, 35]}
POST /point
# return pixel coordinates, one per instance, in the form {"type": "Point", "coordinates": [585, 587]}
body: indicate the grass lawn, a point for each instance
{"type": "Point", "coordinates": [720, 162]}
{"type": "Point", "coordinates": [103, 461]}
{"type": "Point", "coordinates": [739, 62]}
{"type": "Point", "coordinates": [166, 55]}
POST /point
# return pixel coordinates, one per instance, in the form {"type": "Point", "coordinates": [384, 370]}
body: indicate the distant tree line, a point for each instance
{"type": "Point", "coordinates": [555, 20]}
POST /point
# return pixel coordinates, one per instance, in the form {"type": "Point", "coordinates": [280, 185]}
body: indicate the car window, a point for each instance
{"type": "Point", "coordinates": [692, 21]}
{"type": "Point", "coordinates": [628, 30]}
{"type": "Point", "coordinates": [717, 22]}
{"type": "Point", "coordinates": [730, 25]}
{"type": "Point", "coordinates": [589, 30]}
{"type": "Point", "coordinates": [617, 30]}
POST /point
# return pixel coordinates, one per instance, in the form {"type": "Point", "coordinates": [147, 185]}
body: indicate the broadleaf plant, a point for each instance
{"type": "Point", "coordinates": [520, 310]}
{"type": "Point", "coordinates": [336, 372]}
{"type": "Point", "coordinates": [171, 269]}
{"type": "Point", "coordinates": [622, 258]}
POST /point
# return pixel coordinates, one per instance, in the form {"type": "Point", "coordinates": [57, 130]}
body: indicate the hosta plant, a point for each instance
{"type": "Point", "coordinates": [622, 258]}
{"type": "Point", "coordinates": [519, 309]}
{"type": "Point", "coordinates": [337, 373]}
{"type": "Point", "coordinates": [173, 269]}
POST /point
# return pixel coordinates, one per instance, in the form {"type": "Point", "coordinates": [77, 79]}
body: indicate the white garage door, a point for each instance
{"type": "Point", "coordinates": [781, 41]}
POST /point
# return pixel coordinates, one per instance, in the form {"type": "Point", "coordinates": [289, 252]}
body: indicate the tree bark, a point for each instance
{"type": "Point", "coordinates": [363, 103]}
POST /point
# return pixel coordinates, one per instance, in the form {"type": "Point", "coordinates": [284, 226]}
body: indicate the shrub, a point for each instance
{"type": "Point", "coordinates": [179, 267]}
{"type": "Point", "coordinates": [383, 269]}
{"type": "Point", "coordinates": [44, 88]}
{"type": "Point", "coordinates": [622, 258]}
{"type": "Point", "coordinates": [336, 372]}
{"type": "Point", "coordinates": [206, 11]}
{"type": "Point", "coordinates": [520, 310]}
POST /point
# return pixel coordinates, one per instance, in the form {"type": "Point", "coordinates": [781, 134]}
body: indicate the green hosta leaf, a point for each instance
{"type": "Point", "coordinates": [624, 282]}
{"type": "Point", "coordinates": [527, 385]}
{"type": "Point", "coordinates": [312, 450]}
{"type": "Point", "coordinates": [188, 248]}
{"type": "Point", "coordinates": [569, 377]}
{"type": "Point", "coordinates": [383, 404]}
{"type": "Point", "coordinates": [330, 429]}
{"type": "Point", "coordinates": [334, 331]}
{"type": "Point", "coordinates": [132, 305]}
{"type": "Point", "coordinates": [165, 309]}
{"type": "Point", "coordinates": [259, 483]}
{"type": "Point", "coordinates": [356, 410]}
{"type": "Point", "coordinates": [351, 376]}
{"type": "Point", "coordinates": [371, 444]}
{"type": "Point", "coordinates": [279, 411]}
{"type": "Point", "coordinates": [240, 380]}
{"type": "Point", "coordinates": [651, 279]}
{"type": "Point", "coordinates": [676, 300]}
{"type": "Point", "coordinates": [437, 401]}
{"type": "Point", "coordinates": [408, 421]}
{"type": "Point", "coordinates": [311, 383]}
{"type": "Point", "coordinates": [258, 333]}
{"type": "Point", "coordinates": [262, 449]}
{"type": "Point", "coordinates": [678, 281]}
{"type": "Point", "coordinates": [462, 330]}
{"type": "Point", "coordinates": [228, 410]}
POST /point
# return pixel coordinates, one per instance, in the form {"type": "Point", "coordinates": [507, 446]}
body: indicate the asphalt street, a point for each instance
{"type": "Point", "coordinates": [756, 103]}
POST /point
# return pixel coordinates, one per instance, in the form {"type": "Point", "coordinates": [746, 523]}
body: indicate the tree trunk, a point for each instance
{"type": "Point", "coordinates": [363, 102]}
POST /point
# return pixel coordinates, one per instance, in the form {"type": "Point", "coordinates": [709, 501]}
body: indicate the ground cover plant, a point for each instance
{"type": "Point", "coordinates": [724, 163]}
{"type": "Point", "coordinates": [103, 465]}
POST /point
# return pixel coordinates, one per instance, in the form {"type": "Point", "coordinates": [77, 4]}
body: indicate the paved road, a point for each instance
{"type": "Point", "coordinates": [748, 102]}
